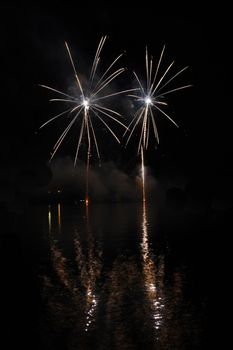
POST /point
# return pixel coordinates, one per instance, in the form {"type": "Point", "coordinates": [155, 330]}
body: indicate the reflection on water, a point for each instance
{"type": "Point", "coordinates": [109, 286]}
{"type": "Point", "coordinates": [153, 277]}
{"type": "Point", "coordinates": [49, 219]}
{"type": "Point", "coordinates": [59, 216]}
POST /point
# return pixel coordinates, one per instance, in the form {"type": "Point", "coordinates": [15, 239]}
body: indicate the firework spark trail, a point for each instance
{"type": "Point", "coordinates": [143, 177]}
{"type": "Point", "coordinates": [86, 105]}
{"type": "Point", "coordinates": [151, 98]}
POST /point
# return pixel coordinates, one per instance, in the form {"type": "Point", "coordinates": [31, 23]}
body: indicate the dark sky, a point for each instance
{"type": "Point", "coordinates": [32, 43]}
{"type": "Point", "coordinates": [33, 52]}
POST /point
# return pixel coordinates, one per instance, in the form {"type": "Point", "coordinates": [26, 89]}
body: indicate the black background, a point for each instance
{"type": "Point", "coordinates": [32, 52]}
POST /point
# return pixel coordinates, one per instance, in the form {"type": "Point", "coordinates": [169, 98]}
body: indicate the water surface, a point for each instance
{"type": "Point", "coordinates": [112, 277]}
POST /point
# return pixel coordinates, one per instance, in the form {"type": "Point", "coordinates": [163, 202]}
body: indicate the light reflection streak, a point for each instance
{"type": "Point", "coordinates": [79, 282]}
{"type": "Point", "coordinates": [62, 270]}
{"type": "Point", "coordinates": [152, 275]}
{"type": "Point", "coordinates": [106, 304]}
{"type": "Point", "coordinates": [59, 216]}
{"type": "Point", "coordinates": [49, 219]}
{"type": "Point", "coordinates": [93, 268]}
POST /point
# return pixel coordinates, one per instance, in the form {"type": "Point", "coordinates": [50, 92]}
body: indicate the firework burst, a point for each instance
{"type": "Point", "coordinates": [88, 104]}
{"type": "Point", "coordinates": [151, 97]}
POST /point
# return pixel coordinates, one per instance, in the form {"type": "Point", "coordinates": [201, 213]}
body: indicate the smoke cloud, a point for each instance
{"type": "Point", "coordinates": [106, 182]}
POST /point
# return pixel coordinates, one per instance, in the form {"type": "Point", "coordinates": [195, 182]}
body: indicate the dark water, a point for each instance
{"type": "Point", "coordinates": [115, 276]}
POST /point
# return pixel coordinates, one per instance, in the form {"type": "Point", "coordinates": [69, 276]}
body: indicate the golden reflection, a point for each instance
{"type": "Point", "coordinates": [77, 282]}
{"type": "Point", "coordinates": [61, 268]}
{"type": "Point", "coordinates": [127, 305]}
{"type": "Point", "coordinates": [89, 267]}
{"type": "Point", "coordinates": [49, 219]}
{"type": "Point", "coordinates": [153, 275]}
{"type": "Point", "coordinates": [59, 216]}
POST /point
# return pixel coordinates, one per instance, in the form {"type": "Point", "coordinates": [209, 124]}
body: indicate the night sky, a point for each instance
{"type": "Point", "coordinates": [33, 53]}
{"type": "Point", "coordinates": [197, 156]}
